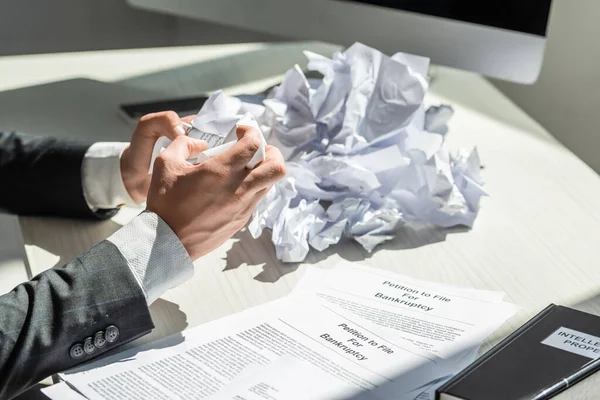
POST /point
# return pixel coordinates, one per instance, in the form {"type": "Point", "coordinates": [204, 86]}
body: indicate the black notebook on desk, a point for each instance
{"type": "Point", "coordinates": [552, 345]}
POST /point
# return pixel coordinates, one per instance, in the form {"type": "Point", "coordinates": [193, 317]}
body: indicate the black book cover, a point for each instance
{"type": "Point", "coordinates": [521, 365]}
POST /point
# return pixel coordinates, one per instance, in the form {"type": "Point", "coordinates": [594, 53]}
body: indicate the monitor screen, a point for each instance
{"type": "Point", "coordinates": [527, 16]}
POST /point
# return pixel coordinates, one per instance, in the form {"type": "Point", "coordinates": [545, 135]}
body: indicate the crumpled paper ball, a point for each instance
{"type": "Point", "coordinates": [363, 155]}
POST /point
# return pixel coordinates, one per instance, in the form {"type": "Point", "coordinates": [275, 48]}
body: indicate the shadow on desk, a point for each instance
{"type": "Point", "coordinates": [60, 111]}
{"type": "Point", "coordinates": [33, 393]}
{"type": "Point", "coordinates": [168, 318]}
{"type": "Point", "coordinates": [262, 251]}
{"type": "Point", "coordinates": [48, 234]}
{"type": "Point", "coordinates": [228, 71]}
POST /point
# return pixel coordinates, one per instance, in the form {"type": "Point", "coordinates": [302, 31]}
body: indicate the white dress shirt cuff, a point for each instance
{"type": "Point", "coordinates": [154, 253]}
{"type": "Point", "coordinates": [103, 186]}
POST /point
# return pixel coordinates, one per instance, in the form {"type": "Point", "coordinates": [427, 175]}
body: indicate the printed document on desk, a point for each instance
{"type": "Point", "coordinates": [447, 321]}
{"type": "Point", "coordinates": [284, 379]}
{"type": "Point", "coordinates": [438, 319]}
{"type": "Point", "coordinates": [208, 357]}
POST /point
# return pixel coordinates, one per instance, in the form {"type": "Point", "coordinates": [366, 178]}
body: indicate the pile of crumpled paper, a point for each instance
{"type": "Point", "coordinates": [363, 155]}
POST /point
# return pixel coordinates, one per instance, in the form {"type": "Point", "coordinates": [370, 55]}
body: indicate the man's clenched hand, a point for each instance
{"type": "Point", "coordinates": [206, 204]}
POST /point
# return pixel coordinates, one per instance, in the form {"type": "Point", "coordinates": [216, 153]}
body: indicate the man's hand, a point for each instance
{"type": "Point", "coordinates": [136, 158]}
{"type": "Point", "coordinates": [206, 204]}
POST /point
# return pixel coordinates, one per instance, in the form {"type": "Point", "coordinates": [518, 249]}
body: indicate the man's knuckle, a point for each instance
{"type": "Point", "coordinates": [238, 197]}
{"type": "Point", "coordinates": [173, 117]}
{"type": "Point", "coordinates": [145, 118]}
{"type": "Point", "coordinates": [213, 171]}
{"type": "Point", "coordinates": [182, 140]}
{"type": "Point", "coordinates": [236, 158]}
{"type": "Point", "coordinates": [220, 171]}
{"type": "Point", "coordinates": [252, 144]}
{"type": "Point", "coordinates": [245, 186]}
{"type": "Point", "coordinates": [169, 115]}
{"type": "Point", "coordinates": [162, 159]}
{"type": "Point", "coordinates": [279, 169]}
{"type": "Point", "coordinates": [276, 153]}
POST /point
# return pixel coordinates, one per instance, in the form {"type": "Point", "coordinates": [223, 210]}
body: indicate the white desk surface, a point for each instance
{"type": "Point", "coordinates": [537, 236]}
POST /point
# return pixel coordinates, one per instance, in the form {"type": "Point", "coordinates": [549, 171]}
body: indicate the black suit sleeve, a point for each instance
{"type": "Point", "coordinates": [42, 176]}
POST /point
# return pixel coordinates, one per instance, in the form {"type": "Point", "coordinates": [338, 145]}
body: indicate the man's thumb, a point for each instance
{"type": "Point", "coordinates": [184, 147]}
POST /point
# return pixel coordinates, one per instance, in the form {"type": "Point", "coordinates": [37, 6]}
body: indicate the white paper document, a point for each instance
{"type": "Point", "coordinates": [443, 321]}
{"type": "Point", "coordinates": [211, 356]}
{"type": "Point", "coordinates": [350, 332]}
{"type": "Point", "coordinates": [287, 378]}
{"type": "Point", "coordinates": [447, 321]}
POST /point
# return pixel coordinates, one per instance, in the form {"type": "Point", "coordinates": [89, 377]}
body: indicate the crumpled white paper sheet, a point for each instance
{"type": "Point", "coordinates": [216, 122]}
{"type": "Point", "coordinates": [363, 155]}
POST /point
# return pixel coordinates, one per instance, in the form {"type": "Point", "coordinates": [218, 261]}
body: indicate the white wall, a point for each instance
{"type": "Point", "coordinates": [566, 98]}
{"type": "Point", "coordinates": [47, 26]}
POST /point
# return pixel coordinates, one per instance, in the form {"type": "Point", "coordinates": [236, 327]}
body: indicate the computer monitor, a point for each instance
{"type": "Point", "coordinates": [499, 38]}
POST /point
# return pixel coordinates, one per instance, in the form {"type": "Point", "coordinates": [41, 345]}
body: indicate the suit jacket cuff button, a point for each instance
{"type": "Point", "coordinates": [76, 351]}
{"type": "Point", "coordinates": [99, 340]}
{"type": "Point", "coordinates": [111, 334]}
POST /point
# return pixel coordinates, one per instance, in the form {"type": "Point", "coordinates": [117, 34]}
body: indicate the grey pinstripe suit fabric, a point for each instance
{"type": "Point", "coordinates": [41, 319]}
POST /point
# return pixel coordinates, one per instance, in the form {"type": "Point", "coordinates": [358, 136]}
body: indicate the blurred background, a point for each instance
{"type": "Point", "coordinates": [563, 100]}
